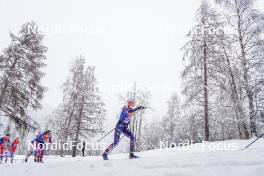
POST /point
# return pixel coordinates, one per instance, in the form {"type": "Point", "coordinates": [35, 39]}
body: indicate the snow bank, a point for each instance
{"type": "Point", "coordinates": [166, 162]}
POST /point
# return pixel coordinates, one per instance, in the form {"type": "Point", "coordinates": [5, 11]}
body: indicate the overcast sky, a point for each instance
{"type": "Point", "coordinates": [128, 41]}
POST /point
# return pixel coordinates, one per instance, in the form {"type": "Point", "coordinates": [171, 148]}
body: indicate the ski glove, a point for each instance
{"type": "Point", "coordinates": [141, 107]}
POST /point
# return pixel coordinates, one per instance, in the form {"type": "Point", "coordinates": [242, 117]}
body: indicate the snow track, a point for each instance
{"type": "Point", "coordinates": [169, 162]}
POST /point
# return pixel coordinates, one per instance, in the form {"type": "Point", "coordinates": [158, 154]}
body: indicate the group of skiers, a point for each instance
{"type": "Point", "coordinates": [8, 149]}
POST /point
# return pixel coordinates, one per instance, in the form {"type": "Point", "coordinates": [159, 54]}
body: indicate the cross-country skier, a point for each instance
{"type": "Point", "coordinates": [122, 127]}
{"type": "Point", "coordinates": [4, 145]}
{"type": "Point", "coordinates": [40, 141]}
{"type": "Point", "coordinates": [32, 151]}
{"type": "Point", "coordinates": [13, 149]}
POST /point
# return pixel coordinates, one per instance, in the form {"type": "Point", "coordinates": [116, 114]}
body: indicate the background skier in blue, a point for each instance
{"type": "Point", "coordinates": [39, 141]}
{"type": "Point", "coordinates": [122, 127]}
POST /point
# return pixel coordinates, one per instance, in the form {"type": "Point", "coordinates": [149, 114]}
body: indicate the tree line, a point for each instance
{"type": "Point", "coordinates": [81, 112]}
{"type": "Point", "coordinates": [222, 96]}
{"type": "Point", "coordinates": [223, 79]}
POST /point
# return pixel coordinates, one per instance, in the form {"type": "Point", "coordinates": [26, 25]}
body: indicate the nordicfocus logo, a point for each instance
{"type": "Point", "coordinates": [187, 146]}
{"type": "Point", "coordinates": [204, 146]}
{"type": "Point", "coordinates": [67, 146]}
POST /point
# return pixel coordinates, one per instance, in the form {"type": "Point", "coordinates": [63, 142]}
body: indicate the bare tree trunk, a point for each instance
{"type": "Point", "coordinates": [206, 109]}
{"type": "Point", "coordinates": [77, 131]}
{"type": "Point", "coordinates": [245, 75]}
{"type": "Point", "coordinates": [70, 112]}
{"type": "Point", "coordinates": [205, 87]}
{"type": "Point", "coordinates": [66, 132]}
{"type": "Point", "coordinates": [252, 117]}
{"type": "Point", "coordinates": [242, 126]}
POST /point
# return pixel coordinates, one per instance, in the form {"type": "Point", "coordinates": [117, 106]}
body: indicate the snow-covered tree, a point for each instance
{"type": "Point", "coordinates": [247, 25]}
{"type": "Point", "coordinates": [199, 75]}
{"type": "Point", "coordinates": [152, 134]}
{"type": "Point", "coordinates": [82, 112]}
{"type": "Point", "coordinates": [20, 76]}
{"type": "Point", "coordinates": [171, 123]}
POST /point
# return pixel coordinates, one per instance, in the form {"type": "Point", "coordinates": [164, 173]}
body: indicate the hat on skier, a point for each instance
{"type": "Point", "coordinates": [130, 100]}
{"type": "Point", "coordinates": [48, 132]}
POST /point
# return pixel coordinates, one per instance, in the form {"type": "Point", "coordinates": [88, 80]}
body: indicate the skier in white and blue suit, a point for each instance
{"type": "Point", "coordinates": [123, 127]}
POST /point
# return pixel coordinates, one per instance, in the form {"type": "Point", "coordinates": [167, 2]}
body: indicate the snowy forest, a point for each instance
{"type": "Point", "coordinates": [221, 97]}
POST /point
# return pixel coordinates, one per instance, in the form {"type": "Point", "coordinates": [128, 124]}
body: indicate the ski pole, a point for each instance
{"type": "Point", "coordinates": [253, 141]}
{"type": "Point", "coordinates": [105, 135]}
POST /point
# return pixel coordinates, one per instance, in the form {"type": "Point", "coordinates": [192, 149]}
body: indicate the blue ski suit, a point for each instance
{"type": "Point", "coordinates": [122, 127]}
{"type": "Point", "coordinates": [40, 139]}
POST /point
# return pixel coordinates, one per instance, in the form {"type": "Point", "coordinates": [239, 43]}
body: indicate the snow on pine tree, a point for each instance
{"type": "Point", "coordinates": [64, 114]}
{"type": "Point", "coordinates": [152, 134]}
{"type": "Point", "coordinates": [20, 76]}
{"type": "Point", "coordinates": [199, 75]}
{"type": "Point", "coordinates": [82, 112]}
{"type": "Point", "coordinates": [247, 25]}
{"type": "Point", "coordinates": [171, 122]}
{"type": "Point", "coordinates": [230, 91]}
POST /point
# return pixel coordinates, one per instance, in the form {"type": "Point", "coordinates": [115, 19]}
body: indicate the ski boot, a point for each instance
{"type": "Point", "coordinates": [132, 156]}
{"type": "Point", "coordinates": [105, 157]}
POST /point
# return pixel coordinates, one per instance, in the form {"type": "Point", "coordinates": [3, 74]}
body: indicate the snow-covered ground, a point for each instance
{"type": "Point", "coordinates": [168, 162]}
